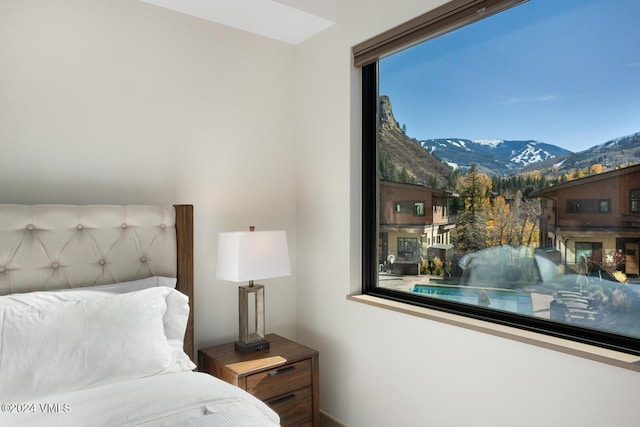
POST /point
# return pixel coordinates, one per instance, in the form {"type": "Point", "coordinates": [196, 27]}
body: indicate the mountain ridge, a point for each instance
{"type": "Point", "coordinates": [402, 158]}
{"type": "Point", "coordinates": [611, 154]}
{"type": "Point", "coordinates": [431, 162]}
{"type": "Point", "coordinates": [492, 157]}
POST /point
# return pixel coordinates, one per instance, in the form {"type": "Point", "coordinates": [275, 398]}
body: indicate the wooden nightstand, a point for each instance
{"type": "Point", "coordinates": [285, 376]}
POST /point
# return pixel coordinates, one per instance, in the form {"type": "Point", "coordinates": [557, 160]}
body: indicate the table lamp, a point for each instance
{"type": "Point", "coordinates": [248, 256]}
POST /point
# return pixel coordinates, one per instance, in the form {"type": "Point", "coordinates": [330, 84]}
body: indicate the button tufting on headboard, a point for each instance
{"type": "Point", "coordinates": [45, 247]}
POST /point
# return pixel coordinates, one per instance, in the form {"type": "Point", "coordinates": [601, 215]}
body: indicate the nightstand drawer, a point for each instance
{"type": "Point", "coordinates": [295, 408]}
{"type": "Point", "coordinates": [285, 376]}
{"type": "Point", "coordinates": [280, 381]}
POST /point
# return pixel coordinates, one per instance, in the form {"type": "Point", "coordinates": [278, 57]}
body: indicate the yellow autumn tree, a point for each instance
{"type": "Point", "coordinates": [471, 224]}
{"type": "Point", "coordinates": [499, 223]}
{"type": "Point", "coordinates": [524, 230]}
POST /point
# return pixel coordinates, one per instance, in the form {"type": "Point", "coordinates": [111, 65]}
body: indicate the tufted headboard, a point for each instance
{"type": "Point", "coordinates": [47, 247]}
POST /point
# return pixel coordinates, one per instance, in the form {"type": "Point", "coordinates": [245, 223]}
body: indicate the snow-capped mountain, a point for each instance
{"type": "Point", "coordinates": [611, 154]}
{"type": "Point", "coordinates": [494, 156]}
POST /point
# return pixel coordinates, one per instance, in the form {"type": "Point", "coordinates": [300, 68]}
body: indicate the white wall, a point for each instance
{"type": "Point", "coordinates": [382, 368]}
{"type": "Point", "coordinates": [119, 101]}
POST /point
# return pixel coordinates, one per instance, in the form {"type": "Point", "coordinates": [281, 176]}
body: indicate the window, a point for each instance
{"type": "Point", "coordinates": [408, 248]}
{"type": "Point", "coordinates": [587, 250]}
{"type": "Point", "coordinates": [634, 201]}
{"type": "Point", "coordinates": [410, 207]}
{"type": "Point", "coordinates": [588, 206]}
{"type": "Point", "coordinates": [513, 124]}
{"type": "Point", "coordinates": [418, 209]}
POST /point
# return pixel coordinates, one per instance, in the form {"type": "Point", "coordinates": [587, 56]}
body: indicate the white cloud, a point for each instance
{"type": "Point", "coordinates": [521, 100]}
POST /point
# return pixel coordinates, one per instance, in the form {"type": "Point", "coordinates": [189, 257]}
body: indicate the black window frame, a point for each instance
{"type": "Point", "coordinates": [370, 200]}
{"type": "Point", "coordinates": [634, 196]}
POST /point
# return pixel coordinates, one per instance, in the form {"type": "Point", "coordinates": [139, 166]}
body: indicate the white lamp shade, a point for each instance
{"type": "Point", "coordinates": [252, 255]}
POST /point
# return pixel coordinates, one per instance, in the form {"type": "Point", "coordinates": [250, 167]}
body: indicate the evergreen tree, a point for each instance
{"type": "Point", "coordinates": [406, 177]}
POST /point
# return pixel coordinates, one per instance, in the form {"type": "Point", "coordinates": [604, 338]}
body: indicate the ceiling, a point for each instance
{"type": "Point", "coordinates": [290, 21]}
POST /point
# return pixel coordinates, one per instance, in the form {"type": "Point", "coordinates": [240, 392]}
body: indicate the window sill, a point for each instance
{"type": "Point", "coordinates": [611, 357]}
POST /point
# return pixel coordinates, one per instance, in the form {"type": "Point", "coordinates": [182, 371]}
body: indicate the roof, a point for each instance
{"type": "Point", "coordinates": [586, 180]}
{"type": "Point", "coordinates": [435, 191]}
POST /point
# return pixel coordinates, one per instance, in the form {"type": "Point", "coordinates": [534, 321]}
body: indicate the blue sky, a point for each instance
{"type": "Point", "coordinates": [528, 73]}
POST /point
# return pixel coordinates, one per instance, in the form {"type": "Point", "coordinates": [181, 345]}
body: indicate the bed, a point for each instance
{"type": "Point", "coordinates": [95, 323]}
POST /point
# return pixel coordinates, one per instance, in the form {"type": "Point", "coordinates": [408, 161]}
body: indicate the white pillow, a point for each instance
{"type": "Point", "coordinates": [133, 285]}
{"type": "Point", "coordinates": [64, 346]}
{"type": "Point", "coordinates": [174, 320]}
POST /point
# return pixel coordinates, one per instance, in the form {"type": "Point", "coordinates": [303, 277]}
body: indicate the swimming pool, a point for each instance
{"type": "Point", "coordinates": [515, 302]}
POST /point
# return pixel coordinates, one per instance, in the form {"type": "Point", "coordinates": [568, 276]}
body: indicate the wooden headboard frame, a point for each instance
{"type": "Point", "coordinates": [50, 247]}
{"type": "Point", "coordinates": [184, 238]}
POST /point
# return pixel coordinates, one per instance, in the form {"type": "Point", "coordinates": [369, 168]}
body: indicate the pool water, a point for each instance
{"type": "Point", "coordinates": [514, 302]}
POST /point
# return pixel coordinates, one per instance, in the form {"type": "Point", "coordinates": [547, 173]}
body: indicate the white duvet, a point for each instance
{"type": "Point", "coordinates": [185, 398]}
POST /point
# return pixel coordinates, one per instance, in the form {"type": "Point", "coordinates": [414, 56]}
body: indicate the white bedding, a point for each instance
{"type": "Point", "coordinates": [58, 342]}
{"type": "Point", "coordinates": [77, 354]}
{"type": "Point", "coordinates": [160, 400]}
{"type": "Point", "coordinates": [100, 358]}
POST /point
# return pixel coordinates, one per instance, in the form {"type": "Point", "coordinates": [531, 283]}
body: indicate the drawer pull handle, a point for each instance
{"type": "Point", "coordinates": [282, 399]}
{"type": "Point", "coordinates": [281, 371]}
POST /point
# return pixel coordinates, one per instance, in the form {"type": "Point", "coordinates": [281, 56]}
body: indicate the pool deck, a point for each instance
{"type": "Point", "coordinates": [540, 302]}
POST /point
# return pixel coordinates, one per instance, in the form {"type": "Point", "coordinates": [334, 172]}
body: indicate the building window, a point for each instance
{"type": "Point", "coordinates": [588, 251]}
{"type": "Point", "coordinates": [433, 87]}
{"type": "Point", "coordinates": [407, 248]}
{"type": "Point", "coordinates": [580, 206]}
{"type": "Point", "coordinates": [634, 201]}
{"type": "Point", "coordinates": [409, 207]}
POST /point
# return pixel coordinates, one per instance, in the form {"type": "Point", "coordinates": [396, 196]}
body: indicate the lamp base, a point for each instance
{"type": "Point", "coordinates": [252, 346]}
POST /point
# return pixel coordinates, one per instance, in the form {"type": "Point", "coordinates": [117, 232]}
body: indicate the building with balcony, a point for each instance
{"type": "Point", "coordinates": [414, 226]}
{"type": "Point", "coordinates": [597, 213]}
